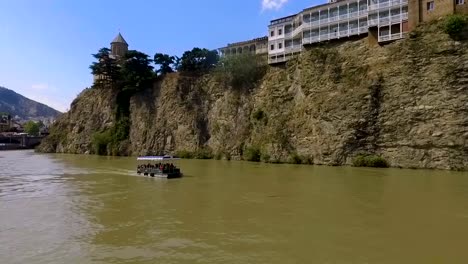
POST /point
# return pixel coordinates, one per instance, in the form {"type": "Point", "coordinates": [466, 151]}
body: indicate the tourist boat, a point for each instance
{"type": "Point", "coordinates": [159, 166]}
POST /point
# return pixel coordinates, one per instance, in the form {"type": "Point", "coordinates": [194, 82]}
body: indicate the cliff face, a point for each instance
{"type": "Point", "coordinates": [406, 101]}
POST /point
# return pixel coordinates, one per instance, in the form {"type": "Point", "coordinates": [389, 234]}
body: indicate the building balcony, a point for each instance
{"type": "Point", "coordinates": [293, 48]}
{"type": "Point", "coordinates": [335, 35]}
{"type": "Point", "coordinates": [297, 30]}
{"type": "Point", "coordinates": [393, 19]}
{"type": "Point", "coordinates": [387, 4]}
{"type": "Point", "coordinates": [391, 37]}
{"type": "Point", "coordinates": [277, 59]}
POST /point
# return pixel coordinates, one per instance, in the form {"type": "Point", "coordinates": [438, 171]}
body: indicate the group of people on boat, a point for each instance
{"type": "Point", "coordinates": [161, 166]}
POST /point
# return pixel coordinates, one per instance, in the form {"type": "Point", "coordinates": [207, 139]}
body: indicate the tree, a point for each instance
{"type": "Point", "coordinates": [198, 60]}
{"type": "Point", "coordinates": [242, 71]}
{"type": "Point", "coordinates": [136, 72]}
{"type": "Point", "coordinates": [106, 68]}
{"type": "Point", "coordinates": [165, 61]}
{"type": "Point", "coordinates": [32, 128]}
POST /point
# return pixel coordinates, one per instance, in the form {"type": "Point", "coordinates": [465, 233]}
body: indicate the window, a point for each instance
{"type": "Point", "coordinates": [280, 45]}
{"type": "Point", "coordinates": [430, 6]}
{"type": "Point", "coordinates": [272, 47]}
{"type": "Point", "coordinates": [280, 31]}
{"type": "Point", "coordinates": [459, 2]}
{"type": "Point", "coordinates": [272, 33]}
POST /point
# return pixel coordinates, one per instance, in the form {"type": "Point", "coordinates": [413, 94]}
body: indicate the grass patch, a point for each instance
{"type": "Point", "coordinates": [370, 161]}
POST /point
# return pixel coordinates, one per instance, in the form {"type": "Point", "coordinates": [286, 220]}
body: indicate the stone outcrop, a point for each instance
{"type": "Point", "coordinates": [405, 101]}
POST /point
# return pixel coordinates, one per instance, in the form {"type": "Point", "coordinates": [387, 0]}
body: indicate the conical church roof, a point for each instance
{"type": "Point", "coordinates": [119, 39]}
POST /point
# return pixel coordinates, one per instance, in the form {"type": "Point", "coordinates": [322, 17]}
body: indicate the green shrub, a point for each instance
{"type": "Point", "coordinates": [370, 161]}
{"type": "Point", "coordinates": [258, 115]}
{"type": "Point", "coordinates": [227, 155]}
{"type": "Point", "coordinates": [100, 141]}
{"type": "Point", "coordinates": [218, 156]}
{"type": "Point", "coordinates": [242, 70]}
{"type": "Point", "coordinates": [184, 154]}
{"type": "Point", "coordinates": [265, 157]}
{"type": "Point", "coordinates": [455, 25]}
{"type": "Point", "coordinates": [307, 160]}
{"type": "Point", "coordinates": [203, 153]}
{"type": "Point", "coordinates": [295, 159]}
{"type": "Point", "coordinates": [252, 154]}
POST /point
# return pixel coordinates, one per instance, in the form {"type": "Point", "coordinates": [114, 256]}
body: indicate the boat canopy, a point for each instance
{"type": "Point", "coordinates": [158, 158]}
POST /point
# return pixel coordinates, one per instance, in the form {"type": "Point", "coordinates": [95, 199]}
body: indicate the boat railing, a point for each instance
{"type": "Point", "coordinates": [158, 171]}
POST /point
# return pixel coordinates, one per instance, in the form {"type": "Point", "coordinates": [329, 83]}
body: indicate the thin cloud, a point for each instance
{"type": "Point", "coordinates": [40, 87]}
{"type": "Point", "coordinates": [273, 4]}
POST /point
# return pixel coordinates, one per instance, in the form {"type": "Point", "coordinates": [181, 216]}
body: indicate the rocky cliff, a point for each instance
{"type": "Point", "coordinates": [405, 101]}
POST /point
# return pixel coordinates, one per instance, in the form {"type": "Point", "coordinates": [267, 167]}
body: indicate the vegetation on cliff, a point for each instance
{"type": "Point", "coordinates": [404, 102]}
{"type": "Point", "coordinates": [456, 26]}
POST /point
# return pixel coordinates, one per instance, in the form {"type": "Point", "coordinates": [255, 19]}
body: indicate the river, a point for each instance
{"type": "Point", "coordinates": [87, 209]}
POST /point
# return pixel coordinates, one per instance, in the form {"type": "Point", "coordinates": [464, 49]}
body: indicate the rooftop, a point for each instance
{"type": "Point", "coordinates": [119, 39]}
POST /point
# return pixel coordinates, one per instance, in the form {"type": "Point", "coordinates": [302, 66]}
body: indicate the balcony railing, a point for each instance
{"type": "Point", "coordinates": [386, 4]}
{"type": "Point", "coordinates": [393, 19]}
{"type": "Point", "coordinates": [353, 14]}
{"type": "Point", "coordinates": [335, 35]}
{"type": "Point", "coordinates": [373, 22]}
{"type": "Point", "coordinates": [354, 31]}
{"type": "Point", "coordinates": [277, 59]}
{"type": "Point", "coordinates": [293, 48]}
{"type": "Point", "coordinates": [390, 37]}
{"type": "Point", "coordinates": [363, 29]}
{"type": "Point", "coordinates": [297, 30]}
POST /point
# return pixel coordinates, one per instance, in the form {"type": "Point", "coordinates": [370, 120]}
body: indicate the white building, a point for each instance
{"type": "Point", "coordinates": [386, 20]}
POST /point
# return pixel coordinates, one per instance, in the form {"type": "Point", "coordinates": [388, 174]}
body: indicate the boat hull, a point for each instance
{"type": "Point", "coordinates": [173, 175]}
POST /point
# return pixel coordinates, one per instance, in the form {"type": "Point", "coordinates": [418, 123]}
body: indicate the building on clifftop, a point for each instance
{"type": "Point", "coordinates": [119, 47]}
{"type": "Point", "coordinates": [253, 46]}
{"type": "Point", "coordinates": [381, 20]}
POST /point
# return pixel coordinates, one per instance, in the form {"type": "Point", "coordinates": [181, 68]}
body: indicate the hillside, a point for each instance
{"type": "Point", "coordinates": [16, 104]}
{"type": "Point", "coordinates": [405, 101]}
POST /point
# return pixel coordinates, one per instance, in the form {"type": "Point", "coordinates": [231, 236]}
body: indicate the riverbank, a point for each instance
{"type": "Point", "coordinates": [5, 147]}
{"type": "Point", "coordinates": [404, 102]}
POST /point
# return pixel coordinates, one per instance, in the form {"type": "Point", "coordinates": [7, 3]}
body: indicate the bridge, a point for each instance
{"type": "Point", "coordinates": [19, 142]}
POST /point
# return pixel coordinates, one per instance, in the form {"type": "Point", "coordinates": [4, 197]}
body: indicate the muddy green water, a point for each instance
{"type": "Point", "coordinates": [82, 209]}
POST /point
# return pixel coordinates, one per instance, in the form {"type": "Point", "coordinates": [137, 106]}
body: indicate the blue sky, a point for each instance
{"type": "Point", "coordinates": [46, 45]}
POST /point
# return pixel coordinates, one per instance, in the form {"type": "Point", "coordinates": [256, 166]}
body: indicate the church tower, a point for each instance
{"type": "Point", "coordinates": [119, 46]}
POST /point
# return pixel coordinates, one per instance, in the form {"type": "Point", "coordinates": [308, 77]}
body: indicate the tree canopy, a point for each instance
{"type": "Point", "coordinates": [106, 67]}
{"type": "Point", "coordinates": [130, 72]}
{"type": "Point", "coordinates": [32, 128]}
{"type": "Point", "coordinates": [242, 71]}
{"type": "Point", "coordinates": [198, 60]}
{"type": "Point", "coordinates": [164, 61]}
{"type": "Point", "coordinates": [136, 71]}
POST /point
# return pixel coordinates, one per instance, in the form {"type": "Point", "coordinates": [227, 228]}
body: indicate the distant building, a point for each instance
{"type": "Point", "coordinates": [253, 46]}
{"type": "Point", "coordinates": [119, 47]}
{"type": "Point", "coordinates": [381, 20]}
{"type": "Point", "coordinates": [5, 123]}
